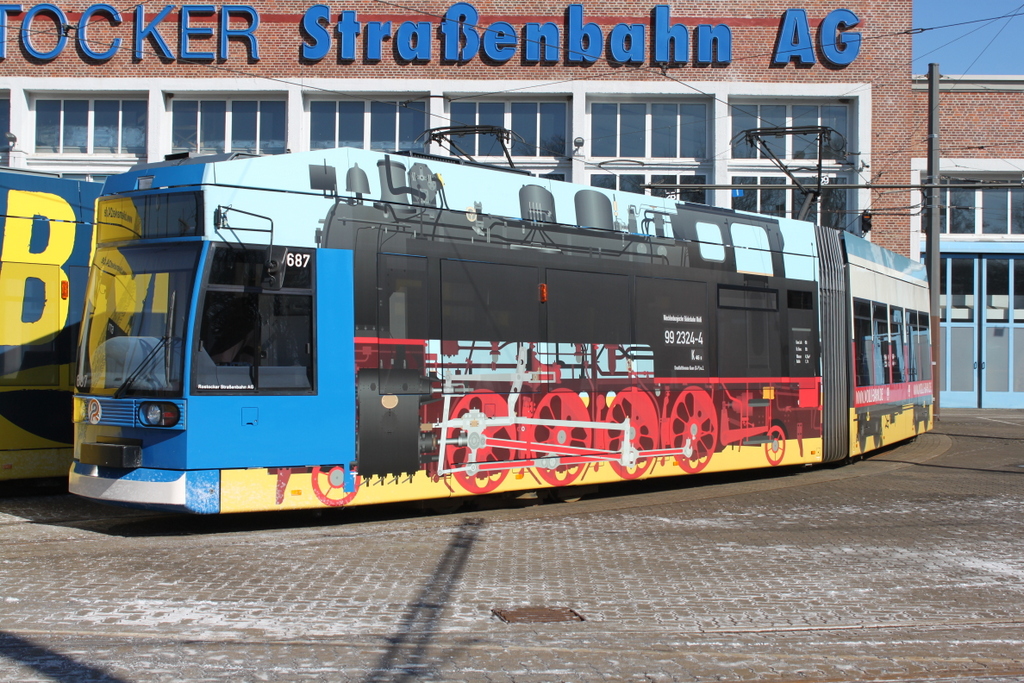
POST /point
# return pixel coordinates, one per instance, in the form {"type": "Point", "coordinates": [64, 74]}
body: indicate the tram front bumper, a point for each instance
{"type": "Point", "coordinates": [196, 491]}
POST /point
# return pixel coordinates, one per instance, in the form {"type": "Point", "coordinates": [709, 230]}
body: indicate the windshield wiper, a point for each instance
{"type": "Point", "coordinates": [141, 367]}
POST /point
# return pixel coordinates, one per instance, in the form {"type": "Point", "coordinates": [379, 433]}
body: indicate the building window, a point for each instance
{"type": "Point", "coordinates": [539, 127]}
{"type": "Point", "coordinates": [698, 196]}
{"type": "Point", "coordinates": [88, 177]}
{"type": "Point", "coordinates": [393, 126]}
{"type": "Point", "coordinates": [780, 202]}
{"type": "Point", "coordinates": [91, 126]}
{"type": "Point", "coordinates": [655, 130]}
{"type": "Point", "coordinates": [749, 116]}
{"type": "Point", "coordinates": [982, 210]}
{"type": "Point", "coordinates": [204, 126]}
{"type": "Point", "coordinates": [635, 182]}
{"type": "Point", "coordinates": [5, 124]}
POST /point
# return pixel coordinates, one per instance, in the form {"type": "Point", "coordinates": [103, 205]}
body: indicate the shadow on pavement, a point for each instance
{"type": "Point", "coordinates": [953, 467]}
{"type": "Point", "coordinates": [50, 664]}
{"type": "Point", "coordinates": [406, 656]}
{"type": "Point", "coordinates": [1020, 437]}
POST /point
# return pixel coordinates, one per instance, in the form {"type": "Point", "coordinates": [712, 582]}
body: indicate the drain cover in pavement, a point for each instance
{"type": "Point", "coordinates": [537, 615]}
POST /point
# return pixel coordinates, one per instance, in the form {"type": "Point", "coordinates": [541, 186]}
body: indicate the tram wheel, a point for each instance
{"type": "Point", "coordinates": [565, 406]}
{"type": "Point", "coordinates": [691, 423]}
{"type": "Point", "coordinates": [775, 450]}
{"type": "Point", "coordinates": [329, 486]}
{"type": "Point", "coordinates": [490, 404]}
{"type": "Point", "coordinates": [643, 429]}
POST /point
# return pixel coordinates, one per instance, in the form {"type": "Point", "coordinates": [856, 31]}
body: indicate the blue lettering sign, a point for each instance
{"type": "Point", "coordinates": [794, 39]}
{"type": "Point", "coordinates": [626, 43]}
{"type": "Point", "coordinates": [412, 40]}
{"type": "Point", "coordinates": [580, 33]}
{"type": "Point", "coordinates": [461, 36]}
{"type": "Point", "coordinates": [187, 32]}
{"type": "Point", "coordinates": [671, 41]}
{"type": "Point", "coordinates": [4, 9]}
{"type": "Point", "coordinates": [540, 35]}
{"type": "Point", "coordinates": [461, 41]}
{"type": "Point", "coordinates": [714, 44]}
{"type": "Point", "coordinates": [246, 35]}
{"type": "Point", "coordinates": [26, 30]}
{"type": "Point", "coordinates": [314, 23]}
{"type": "Point", "coordinates": [838, 48]}
{"type": "Point", "coordinates": [376, 32]}
{"type": "Point", "coordinates": [83, 31]}
{"type": "Point", "coordinates": [150, 30]}
{"type": "Point", "coordinates": [348, 29]}
{"type": "Point", "coordinates": [499, 42]}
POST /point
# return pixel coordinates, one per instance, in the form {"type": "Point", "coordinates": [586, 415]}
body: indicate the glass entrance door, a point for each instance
{"type": "Point", "coordinates": [958, 301]}
{"type": "Point", "coordinates": [982, 301]}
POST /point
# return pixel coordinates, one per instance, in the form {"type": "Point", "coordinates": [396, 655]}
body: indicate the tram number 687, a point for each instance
{"type": "Point", "coordinates": [684, 337]}
{"type": "Point", "coordinates": [297, 260]}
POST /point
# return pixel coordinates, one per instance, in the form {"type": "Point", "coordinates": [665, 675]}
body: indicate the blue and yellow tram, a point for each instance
{"type": "Point", "coordinates": [46, 238]}
{"type": "Point", "coordinates": [346, 327]}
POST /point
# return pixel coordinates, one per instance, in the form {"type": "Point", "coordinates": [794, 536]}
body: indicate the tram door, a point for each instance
{"type": "Point", "coordinates": [982, 301]}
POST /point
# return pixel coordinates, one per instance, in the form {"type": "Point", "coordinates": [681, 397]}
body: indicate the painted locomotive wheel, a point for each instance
{"type": "Point", "coordinates": [565, 406]}
{"type": "Point", "coordinates": [691, 423]}
{"type": "Point", "coordinates": [490, 404]}
{"type": "Point", "coordinates": [643, 429]}
{"type": "Point", "coordinates": [329, 486]}
{"type": "Point", "coordinates": [775, 450]}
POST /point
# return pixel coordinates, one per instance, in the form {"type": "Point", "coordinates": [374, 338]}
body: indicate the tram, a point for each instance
{"type": "Point", "coordinates": [46, 237]}
{"type": "Point", "coordinates": [348, 327]}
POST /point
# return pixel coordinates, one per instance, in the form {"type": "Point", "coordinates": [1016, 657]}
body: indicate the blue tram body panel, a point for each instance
{"type": "Point", "coordinates": [228, 431]}
{"type": "Point", "coordinates": [180, 466]}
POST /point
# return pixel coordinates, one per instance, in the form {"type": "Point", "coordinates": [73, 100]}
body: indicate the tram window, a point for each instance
{"type": "Point", "coordinates": [286, 360]}
{"type": "Point", "coordinates": [404, 307]}
{"type": "Point", "coordinates": [753, 253]}
{"type": "Point", "coordinates": [911, 341]}
{"type": "Point", "coordinates": [921, 346]}
{"type": "Point", "coordinates": [587, 308]}
{"type": "Point", "coordinates": [897, 345]}
{"type": "Point", "coordinates": [883, 351]}
{"type": "Point", "coordinates": [489, 302]}
{"type": "Point", "coordinates": [710, 236]}
{"type": "Point", "coordinates": [165, 214]}
{"type": "Point", "coordinates": [864, 344]}
{"type": "Point", "coordinates": [251, 341]}
{"type": "Point", "coordinates": [243, 267]}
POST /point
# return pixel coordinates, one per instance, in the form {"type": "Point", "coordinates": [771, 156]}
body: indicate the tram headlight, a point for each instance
{"type": "Point", "coordinates": [159, 414]}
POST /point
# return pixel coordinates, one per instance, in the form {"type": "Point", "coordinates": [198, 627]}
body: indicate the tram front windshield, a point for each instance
{"type": "Point", "coordinates": [137, 305]}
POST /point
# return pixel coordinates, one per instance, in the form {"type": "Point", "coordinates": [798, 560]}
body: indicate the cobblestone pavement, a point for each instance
{"type": "Point", "coordinates": [908, 566]}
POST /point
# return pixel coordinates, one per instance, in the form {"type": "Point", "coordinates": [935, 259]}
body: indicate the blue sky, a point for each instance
{"type": "Point", "coordinates": [979, 49]}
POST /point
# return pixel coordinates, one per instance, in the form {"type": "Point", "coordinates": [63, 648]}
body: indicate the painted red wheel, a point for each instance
{"type": "Point", "coordinates": [691, 427]}
{"type": "Point", "coordinates": [564, 406]}
{"type": "Point", "coordinates": [329, 486]}
{"type": "Point", "coordinates": [488, 404]}
{"type": "Point", "coordinates": [644, 427]}
{"type": "Point", "coordinates": [775, 450]}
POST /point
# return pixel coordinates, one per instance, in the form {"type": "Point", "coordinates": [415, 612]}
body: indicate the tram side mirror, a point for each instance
{"type": "Point", "coordinates": [274, 267]}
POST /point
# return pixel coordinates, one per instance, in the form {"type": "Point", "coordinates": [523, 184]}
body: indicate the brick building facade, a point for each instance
{"type": "Point", "coordinates": [622, 95]}
{"type": "Point", "coordinates": [982, 236]}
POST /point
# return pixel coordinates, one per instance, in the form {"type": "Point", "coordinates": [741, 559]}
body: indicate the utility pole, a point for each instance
{"type": "Point", "coordinates": [933, 261]}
